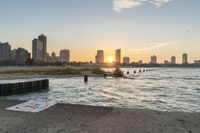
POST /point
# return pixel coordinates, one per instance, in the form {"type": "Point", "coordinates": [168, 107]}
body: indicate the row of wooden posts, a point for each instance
{"type": "Point", "coordinates": [144, 70]}
{"type": "Point", "coordinates": [140, 71]}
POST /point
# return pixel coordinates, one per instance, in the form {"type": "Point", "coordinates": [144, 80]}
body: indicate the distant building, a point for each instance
{"type": "Point", "coordinates": [126, 60]}
{"type": "Point", "coordinates": [153, 59]}
{"type": "Point", "coordinates": [37, 50]}
{"type": "Point", "coordinates": [166, 62]}
{"type": "Point", "coordinates": [99, 58]}
{"type": "Point", "coordinates": [5, 51]}
{"type": "Point", "coordinates": [185, 59]}
{"type": "Point", "coordinates": [197, 62]}
{"type": "Point", "coordinates": [54, 58]}
{"type": "Point", "coordinates": [13, 54]}
{"type": "Point", "coordinates": [42, 38]}
{"type": "Point", "coordinates": [118, 56]}
{"type": "Point", "coordinates": [65, 55]}
{"type": "Point", "coordinates": [173, 60]}
{"type": "Point", "coordinates": [48, 57]}
{"type": "Point", "coordinates": [20, 55]}
{"type": "Point", "coordinates": [140, 62]}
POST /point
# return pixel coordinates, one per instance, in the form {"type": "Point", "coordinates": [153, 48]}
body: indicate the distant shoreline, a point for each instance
{"type": "Point", "coordinates": [56, 72]}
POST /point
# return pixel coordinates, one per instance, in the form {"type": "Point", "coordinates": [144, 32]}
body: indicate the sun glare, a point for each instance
{"type": "Point", "coordinates": [110, 60]}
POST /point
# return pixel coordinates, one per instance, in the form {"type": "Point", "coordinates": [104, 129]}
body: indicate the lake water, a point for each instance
{"type": "Point", "coordinates": [166, 89]}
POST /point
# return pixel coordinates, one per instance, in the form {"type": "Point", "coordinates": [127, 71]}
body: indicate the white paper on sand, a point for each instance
{"type": "Point", "coordinates": [32, 106]}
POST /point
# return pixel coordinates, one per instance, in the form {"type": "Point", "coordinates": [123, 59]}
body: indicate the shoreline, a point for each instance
{"type": "Point", "coordinates": [68, 118]}
{"type": "Point", "coordinates": [13, 77]}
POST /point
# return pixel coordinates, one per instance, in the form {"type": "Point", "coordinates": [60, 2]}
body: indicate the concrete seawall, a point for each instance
{"type": "Point", "coordinates": [23, 87]}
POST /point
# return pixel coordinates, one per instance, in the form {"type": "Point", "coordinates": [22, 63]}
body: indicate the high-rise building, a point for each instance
{"type": "Point", "coordinates": [65, 55]}
{"type": "Point", "coordinates": [42, 38]}
{"type": "Point", "coordinates": [185, 59]}
{"type": "Point", "coordinates": [37, 50]}
{"type": "Point", "coordinates": [99, 58]}
{"type": "Point", "coordinates": [13, 54]}
{"type": "Point", "coordinates": [118, 56]}
{"type": "Point", "coordinates": [153, 59]}
{"type": "Point", "coordinates": [173, 60]}
{"type": "Point", "coordinates": [20, 55]}
{"type": "Point", "coordinates": [126, 60]}
{"type": "Point", "coordinates": [5, 51]}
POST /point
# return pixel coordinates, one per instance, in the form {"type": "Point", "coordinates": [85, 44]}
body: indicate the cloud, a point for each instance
{"type": "Point", "coordinates": [119, 5]}
{"type": "Point", "coordinates": [152, 46]}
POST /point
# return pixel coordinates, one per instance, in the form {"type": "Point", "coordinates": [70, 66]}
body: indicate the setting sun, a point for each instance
{"type": "Point", "coordinates": [110, 60]}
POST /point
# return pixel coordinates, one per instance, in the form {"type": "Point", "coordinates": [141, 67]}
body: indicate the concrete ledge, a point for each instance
{"type": "Point", "coordinates": [23, 87]}
{"type": "Point", "coordinates": [66, 118]}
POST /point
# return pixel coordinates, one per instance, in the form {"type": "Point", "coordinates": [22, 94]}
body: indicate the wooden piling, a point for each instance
{"type": "Point", "coordinates": [85, 78]}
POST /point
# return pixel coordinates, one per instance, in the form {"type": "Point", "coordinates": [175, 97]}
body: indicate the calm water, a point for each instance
{"type": "Point", "coordinates": [166, 89]}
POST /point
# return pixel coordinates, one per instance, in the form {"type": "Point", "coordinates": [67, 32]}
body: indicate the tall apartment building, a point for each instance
{"type": "Point", "coordinates": [5, 51]}
{"type": "Point", "coordinates": [99, 58]}
{"type": "Point", "coordinates": [118, 56]}
{"type": "Point", "coordinates": [153, 59]}
{"type": "Point", "coordinates": [37, 50]}
{"type": "Point", "coordinates": [185, 59]}
{"type": "Point", "coordinates": [173, 60]}
{"type": "Point", "coordinates": [42, 38]}
{"type": "Point", "coordinates": [65, 55]}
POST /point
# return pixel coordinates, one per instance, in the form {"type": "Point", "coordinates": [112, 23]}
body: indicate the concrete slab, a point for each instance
{"type": "Point", "coordinates": [66, 118]}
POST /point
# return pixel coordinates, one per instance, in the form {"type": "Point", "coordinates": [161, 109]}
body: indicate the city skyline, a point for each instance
{"type": "Point", "coordinates": [39, 46]}
{"type": "Point", "coordinates": [140, 30]}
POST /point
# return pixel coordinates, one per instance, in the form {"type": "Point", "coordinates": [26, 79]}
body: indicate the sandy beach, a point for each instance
{"type": "Point", "coordinates": [66, 118]}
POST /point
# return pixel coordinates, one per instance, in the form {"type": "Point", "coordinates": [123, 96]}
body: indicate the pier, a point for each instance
{"type": "Point", "coordinates": [23, 87]}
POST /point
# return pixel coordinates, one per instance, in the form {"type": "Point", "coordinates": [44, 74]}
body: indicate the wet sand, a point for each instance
{"type": "Point", "coordinates": [66, 118]}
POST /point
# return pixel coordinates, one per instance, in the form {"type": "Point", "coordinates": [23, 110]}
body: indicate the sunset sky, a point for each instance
{"type": "Point", "coordinates": [141, 28]}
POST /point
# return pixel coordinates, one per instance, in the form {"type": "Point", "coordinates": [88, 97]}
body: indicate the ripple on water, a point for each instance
{"type": "Point", "coordinates": [168, 89]}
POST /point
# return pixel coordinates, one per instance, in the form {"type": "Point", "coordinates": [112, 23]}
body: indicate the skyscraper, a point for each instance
{"type": "Point", "coordinates": [173, 60]}
{"type": "Point", "coordinates": [99, 58]}
{"type": "Point", "coordinates": [42, 38]}
{"type": "Point", "coordinates": [118, 56]}
{"type": "Point", "coordinates": [185, 59]}
{"type": "Point", "coordinates": [13, 54]}
{"type": "Point", "coordinates": [37, 50]}
{"type": "Point", "coordinates": [126, 60]}
{"type": "Point", "coordinates": [5, 51]}
{"type": "Point", "coordinates": [153, 59]}
{"type": "Point", "coordinates": [65, 55]}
